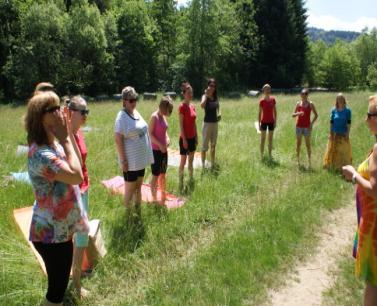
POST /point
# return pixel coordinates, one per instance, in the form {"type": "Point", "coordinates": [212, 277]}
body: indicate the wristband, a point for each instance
{"type": "Point", "coordinates": [354, 178]}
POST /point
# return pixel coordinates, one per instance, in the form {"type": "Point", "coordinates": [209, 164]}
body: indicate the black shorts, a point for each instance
{"type": "Point", "coordinates": [269, 126]}
{"type": "Point", "coordinates": [191, 146]}
{"type": "Point", "coordinates": [132, 176]}
{"type": "Point", "coordinates": [58, 261]}
{"type": "Point", "coordinates": [160, 162]}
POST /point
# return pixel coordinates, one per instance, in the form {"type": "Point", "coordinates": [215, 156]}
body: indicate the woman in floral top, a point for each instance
{"type": "Point", "coordinates": [55, 171]}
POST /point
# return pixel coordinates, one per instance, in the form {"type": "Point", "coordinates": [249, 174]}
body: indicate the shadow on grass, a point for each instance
{"type": "Point", "coordinates": [127, 233]}
{"type": "Point", "coordinates": [213, 171]}
{"type": "Point", "coordinates": [271, 162]}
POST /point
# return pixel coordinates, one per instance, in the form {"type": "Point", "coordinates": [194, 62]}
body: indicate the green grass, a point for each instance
{"type": "Point", "coordinates": [239, 233]}
{"type": "Point", "coordinates": [346, 290]}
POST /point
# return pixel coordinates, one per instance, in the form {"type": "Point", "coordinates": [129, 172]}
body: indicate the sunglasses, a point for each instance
{"type": "Point", "coordinates": [370, 115]}
{"type": "Point", "coordinates": [212, 86]}
{"type": "Point", "coordinates": [132, 101]}
{"type": "Point", "coordinates": [305, 94]}
{"type": "Point", "coordinates": [83, 112]}
{"type": "Point", "coordinates": [51, 109]}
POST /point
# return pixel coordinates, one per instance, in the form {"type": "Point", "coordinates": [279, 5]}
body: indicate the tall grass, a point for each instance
{"type": "Point", "coordinates": [238, 234]}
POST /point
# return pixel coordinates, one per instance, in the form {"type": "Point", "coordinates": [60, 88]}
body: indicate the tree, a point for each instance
{"type": "Point", "coordinates": [372, 75]}
{"type": "Point", "coordinates": [37, 52]}
{"type": "Point", "coordinates": [209, 43]}
{"type": "Point", "coordinates": [87, 66]}
{"type": "Point", "coordinates": [366, 52]}
{"type": "Point", "coordinates": [339, 67]}
{"type": "Point", "coordinates": [164, 13]}
{"type": "Point", "coordinates": [281, 28]}
{"type": "Point", "coordinates": [314, 57]}
{"type": "Point", "coordinates": [136, 52]}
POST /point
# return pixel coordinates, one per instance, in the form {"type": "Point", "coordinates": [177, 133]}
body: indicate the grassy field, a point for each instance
{"type": "Point", "coordinates": [240, 232]}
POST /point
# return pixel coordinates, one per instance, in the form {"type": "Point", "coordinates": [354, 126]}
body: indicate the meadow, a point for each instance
{"type": "Point", "coordinates": [240, 232]}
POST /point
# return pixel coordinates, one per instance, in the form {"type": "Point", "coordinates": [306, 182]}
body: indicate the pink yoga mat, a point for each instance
{"type": "Point", "coordinates": [116, 185]}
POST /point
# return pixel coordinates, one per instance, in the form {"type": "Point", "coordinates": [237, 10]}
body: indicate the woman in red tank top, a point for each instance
{"type": "Point", "coordinates": [304, 125]}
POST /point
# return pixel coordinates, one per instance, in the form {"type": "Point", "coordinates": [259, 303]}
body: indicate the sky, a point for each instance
{"type": "Point", "coordinates": [348, 15]}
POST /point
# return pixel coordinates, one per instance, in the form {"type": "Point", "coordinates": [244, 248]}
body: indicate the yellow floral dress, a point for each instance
{"type": "Point", "coordinates": [338, 153]}
{"type": "Point", "coordinates": [366, 236]}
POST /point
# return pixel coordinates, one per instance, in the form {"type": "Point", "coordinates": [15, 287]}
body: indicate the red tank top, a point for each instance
{"type": "Point", "coordinates": [304, 120]}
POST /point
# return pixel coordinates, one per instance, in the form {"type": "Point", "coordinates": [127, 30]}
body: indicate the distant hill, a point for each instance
{"type": "Point", "coordinates": [330, 37]}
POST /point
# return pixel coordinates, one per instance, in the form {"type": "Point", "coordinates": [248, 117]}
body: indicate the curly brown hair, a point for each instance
{"type": "Point", "coordinates": [36, 109]}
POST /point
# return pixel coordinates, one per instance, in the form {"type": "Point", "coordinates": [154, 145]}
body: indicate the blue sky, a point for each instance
{"type": "Point", "coordinates": [348, 15]}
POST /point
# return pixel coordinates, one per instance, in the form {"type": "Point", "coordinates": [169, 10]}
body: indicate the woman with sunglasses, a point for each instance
{"type": "Point", "coordinates": [304, 124]}
{"type": "Point", "coordinates": [158, 127]}
{"type": "Point", "coordinates": [55, 172]}
{"type": "Point", "coordinates": [267, 118]}
{"type": "Point", "coordinates": [134, 150]}
{"type": "Point", "coordinates": [211, 106]}
{"type": "Point", "coordinates": [188, 139]}
{"type": "Point", "coordinates": [365, 178]}
{"type": "Point", "coordinates": [338, 152]}
{"type": "Point", "coordinates": [77, 112]}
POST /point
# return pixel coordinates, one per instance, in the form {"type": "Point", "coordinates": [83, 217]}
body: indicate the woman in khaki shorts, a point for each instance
{"type": "Point", "coordinates": [210, 104]}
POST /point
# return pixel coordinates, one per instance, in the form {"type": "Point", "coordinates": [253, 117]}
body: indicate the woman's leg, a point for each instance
{"type": "Point", "coordinates": [181, 171]}
{"type": "Point", "coordinates": [213, 154]}
{"type": "Point", "coordinates": [308, 150]}
{"type": "Point", "coordinates": [139, 183]}
{"type": "Point", "coordinates": [270, 139]}
{"type": "Point", "coordinates": [58, 261]}
{"type": "Point", "coordinates": [298, 147]}
{"type": "Point", "coordinates": [81, 242]}
{"type": "Point", "coordinates": [129, 191]}
{"type": "Point", "coordinates": [262, 142]}
{"type": "Point", "coordinates": [162, 184]}
{"type": "Point", "coordinates": [370, 295]}
{"type": "Point", "coordinates": [154, 180]}
{"type": "Point", "coordinates": [190, 165]}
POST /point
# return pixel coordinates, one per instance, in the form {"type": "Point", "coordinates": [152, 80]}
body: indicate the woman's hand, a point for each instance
{"type": "Point", "coordinates": [300, 114]}
{"type": "Point", "coordinates": [185, 144]}
{"type": "Point", "coordinates": [124, 166]}
{"type": "Point", "coordinates": [60, 130]}
{"type": "Point", "coordinates": [348, 172]}
{"type": "Point", "coordinates": [162, 148]}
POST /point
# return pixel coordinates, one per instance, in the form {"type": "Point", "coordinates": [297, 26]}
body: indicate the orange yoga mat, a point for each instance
{"type": "Point", "coordinates": [23, 220]}
{"type": "Point", "coordinates": [116, 185]}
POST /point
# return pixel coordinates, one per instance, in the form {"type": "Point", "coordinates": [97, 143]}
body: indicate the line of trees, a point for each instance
{"type": "Point", "coordinates": [98, 46]}
{"type": "Point", "coordinates": [343, 65]}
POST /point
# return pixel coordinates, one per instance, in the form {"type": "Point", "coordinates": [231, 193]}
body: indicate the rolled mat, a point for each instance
{"type": "Point", "coordinates": [116, 185]}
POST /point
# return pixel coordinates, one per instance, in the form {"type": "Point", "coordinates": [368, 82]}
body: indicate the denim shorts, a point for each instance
{"type": "Point", "coordinates": [82, 240]}
{"type": "Point", "coordinates": [303, 131]}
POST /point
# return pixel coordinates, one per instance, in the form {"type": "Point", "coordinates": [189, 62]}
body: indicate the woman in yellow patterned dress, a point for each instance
{"type": "Point", "coordinates": [366, 200]}
{"type": "Point", "coordinates": [338, 153]}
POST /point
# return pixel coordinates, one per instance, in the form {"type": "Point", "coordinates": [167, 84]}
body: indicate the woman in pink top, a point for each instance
{"type": "Point", "coordinates": [77, 113]}
{"type": "Point", "coordinates": [304, 123]}
{"type": "Point", "coordinates": [158, 127]}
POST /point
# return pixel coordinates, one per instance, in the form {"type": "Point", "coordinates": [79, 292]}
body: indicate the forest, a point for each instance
{"type": "Point", "coordinates": [97, 47]}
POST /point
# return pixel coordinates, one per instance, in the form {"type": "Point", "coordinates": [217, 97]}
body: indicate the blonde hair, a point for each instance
{"type": "Point", "coordinates": [36, 109]}
{"type": "Point", "coordinates": [166, 104]}
{"type": "Point", "coordinates": [372, 101]}
{"type": "Point", "coordinates": [43, 87]}
{"type": "Point", "coordinates": [266, 86]}
{"type": "Point", "coordinates": [340, 98]}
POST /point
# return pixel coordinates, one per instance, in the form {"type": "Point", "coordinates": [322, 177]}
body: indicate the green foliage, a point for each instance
{"type": "Point", "coordinates": [339, 67]}
{"type": "Point", "coordinates": [36, 55]}
{"type": "Point", "coordinates": [366, 51]}
{"type": "Point", "coordinates": [87, 66]}
{"type": "Point", "coordinates": [136, 50]}
{"type": "Point", "coordinates": [210, 43]}
{"type": "Point", "coordinates": [372, 75]}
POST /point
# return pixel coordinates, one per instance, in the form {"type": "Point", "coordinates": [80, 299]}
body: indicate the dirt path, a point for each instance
{"type": "Point", "coordinates": [311, 278]}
